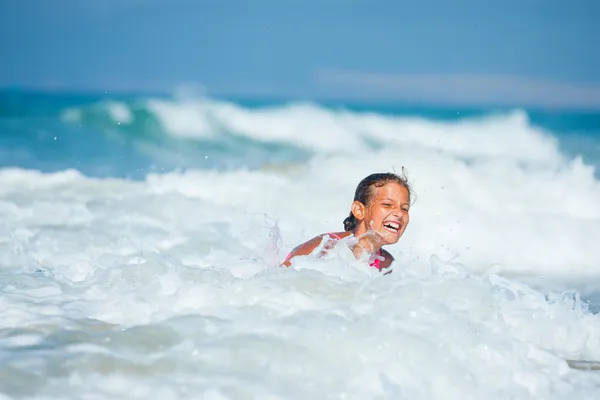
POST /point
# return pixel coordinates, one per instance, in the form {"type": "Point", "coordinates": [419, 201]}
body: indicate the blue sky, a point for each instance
{"type": "Point", "coordinates": [511, 51]}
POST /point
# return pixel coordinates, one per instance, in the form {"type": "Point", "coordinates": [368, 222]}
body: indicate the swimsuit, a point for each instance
{"type": "Point", "coordinates": [376, 263]}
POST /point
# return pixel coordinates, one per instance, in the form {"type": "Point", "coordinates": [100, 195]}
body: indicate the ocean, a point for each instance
{"type": "Point", "coordinates": [141, 237]}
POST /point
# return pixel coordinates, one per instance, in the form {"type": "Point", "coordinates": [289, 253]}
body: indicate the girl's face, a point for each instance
{"type": "Point", "coordinates": [388, 212]}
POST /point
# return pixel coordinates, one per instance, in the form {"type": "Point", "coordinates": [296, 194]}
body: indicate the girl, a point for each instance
{"type": "Point", "coordinates": [378, 217]}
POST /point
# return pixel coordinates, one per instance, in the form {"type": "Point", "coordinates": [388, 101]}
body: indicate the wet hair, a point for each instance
{"type": "Point", "coordinates": [365, 191]}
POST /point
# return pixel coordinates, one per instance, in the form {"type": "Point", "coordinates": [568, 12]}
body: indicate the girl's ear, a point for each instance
{"type": "Point", "coordinates": [358, 210]}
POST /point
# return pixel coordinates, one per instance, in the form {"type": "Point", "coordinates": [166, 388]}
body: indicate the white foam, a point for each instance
{"type": "Point", "coordinates": [344, 132]}
{"type": "Point", "coordinates": [119, 112]}
{"type": "Point", "coordinates": [525, 220]}
{"type": "Point", "coordinates": [170, 288]}
{"type": "Point", "coordinates": [186, 120]}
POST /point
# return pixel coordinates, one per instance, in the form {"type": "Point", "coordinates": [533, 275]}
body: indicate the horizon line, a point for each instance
{"type": "Point", "coordinates": [318, 96]}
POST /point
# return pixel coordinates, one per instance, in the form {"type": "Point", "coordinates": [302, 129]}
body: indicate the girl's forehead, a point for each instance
{"type": "Point", "coordinates": [391, 189]}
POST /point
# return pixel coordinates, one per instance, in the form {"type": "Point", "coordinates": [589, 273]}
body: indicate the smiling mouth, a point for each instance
{"type": "Point", "coordinates": [393, 227]}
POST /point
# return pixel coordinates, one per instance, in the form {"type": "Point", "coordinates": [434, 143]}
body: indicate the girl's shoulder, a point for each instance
{"type": "Point", "coordinates": [337, 235]}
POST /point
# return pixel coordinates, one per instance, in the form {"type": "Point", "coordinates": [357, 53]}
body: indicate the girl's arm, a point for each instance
{"type": "Point", "coordinates": [306, 248]}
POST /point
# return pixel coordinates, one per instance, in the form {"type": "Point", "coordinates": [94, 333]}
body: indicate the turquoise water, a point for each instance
{"type": "Point", "coordinates": [141, 236]}
{"type": "Point", "coordinates": [38, 133]}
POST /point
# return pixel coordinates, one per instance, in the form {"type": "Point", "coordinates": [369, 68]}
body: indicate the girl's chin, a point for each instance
{"type": "Point", "coordinates": [386, 237]}
{"type": "Point", "coordinates": [392, 240]}
{"type": "Point", "coordinates": [383, 236]}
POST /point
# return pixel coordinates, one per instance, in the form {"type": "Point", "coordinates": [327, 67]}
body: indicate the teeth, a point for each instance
{"type": "Point", "coordinates": [393, 225]}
